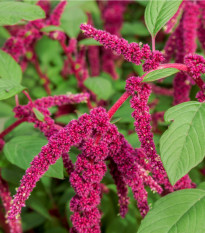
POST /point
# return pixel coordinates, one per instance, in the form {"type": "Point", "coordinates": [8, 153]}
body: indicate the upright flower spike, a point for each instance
{"type": "Point", "coordinates": [57, 12]}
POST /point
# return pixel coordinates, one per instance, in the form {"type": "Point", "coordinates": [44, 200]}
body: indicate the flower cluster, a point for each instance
{"type": "Point", "coordinates": [143, 128]}
{"type": "Point", "coordinates": [47, 125]}
{"type": "Point", "coordinates": [195, 65]}
{"type": "Point", "coordinates": [23, 39]}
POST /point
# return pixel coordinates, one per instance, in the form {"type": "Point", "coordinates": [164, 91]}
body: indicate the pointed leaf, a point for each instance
{"type": "Point", "coordinates": [182, 145]}
{"type": "Point", "coordinates": [38, 114]}
{"type": "Point", "coordinates": [158, 74]}
{"type": "Point", "coordinates": [159, 12]}
{"type": "Point", "coordinates": [179, 212]}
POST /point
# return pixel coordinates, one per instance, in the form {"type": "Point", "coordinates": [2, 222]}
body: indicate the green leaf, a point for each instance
{"type": "Point", "coordinates": [182, 145]}
{"type": "Point", "coordinates": [89, 41]}
{"type": "Point", "coordinates": [159, 12]}
{"type": "Point", "coordinates": [179, 212]}
{"type": "Point", "coordinates": [32, 220]}
{"type": "Point", "coordinates": [38, 114]}
{"type": "Point", "coordinates": [135, 28]}
{"type": "Point", "coordinates": [158, 74]}
{"type": "Point", "coordinates": [9, 88]}
{"type": "Point", "coordinates": [9, 68]}
{"type": "Point", "coordinates": [12, 12]}
{"type": "Point", "coordinates": [71, 20]}
{"type": "Point", "coordinates": [36, 203]}
{"type": "Point", "coordinates": [100, 86]}
{"type": "Point", "coordinates": [10, 76]}
{"type": "Point", "coordinates": [51, 28]}
{"type": "Point", "coordinates": [21, 150]}
{"type": "Point", "coordinates": [5, 110]}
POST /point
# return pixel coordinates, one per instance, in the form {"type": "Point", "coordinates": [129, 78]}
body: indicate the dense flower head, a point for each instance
{"type": "Point", "coordinates": [153, 61]}
{"type": "Point", "coordinates": [47, 126]}
{"type": "Point", "coordinates": [23, 38]}
{"type": "Point", "coordinates": [195, 64]}
{"type": "Point", "coordinates": [201, 94]}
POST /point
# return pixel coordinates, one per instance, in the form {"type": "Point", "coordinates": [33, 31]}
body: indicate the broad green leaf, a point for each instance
{"type": "Point", "coordinates": [158, 74]}
{"type": "Point", "coordinates": [89, 41]}
{"type": "Point", "coordinates": [21, 150]}
{"type": "Point", "coordinates": [182, 145]}
{"type": "Point", "coordinates": [179, 212]}
{"type": "Point", "coordinates": [12, 12]}
{"type": "Point", "coordinates": [71, 20]}
{"type": "Point", "coordinates": [10, 76]}
{"type": "Point", "coordinates": [100, 86]}
{"type": "Point", "coordinates": [159, 12]}
{"type": "Point", "coordinates": [38, 114]}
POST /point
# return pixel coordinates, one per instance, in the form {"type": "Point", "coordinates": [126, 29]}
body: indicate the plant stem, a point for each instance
{"type": "Point", "coordinates": [28, 96]}
{"type": "Point", "coordinates": [17, 100]}
{"type": "Point", "coordinates": [183, 67]}
{"type": "Point", "coordinates": [153, 43]}
{"type": "Point", "coordinates": [115, 107]}
{"type": "Point", "coordinates": [13, 126]}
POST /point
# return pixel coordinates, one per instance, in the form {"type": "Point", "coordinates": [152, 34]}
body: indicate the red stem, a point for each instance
{"type": "Point", "coordinates": [28, 96]}
{"type": "Point", "coordinates": [115, 107]}
{"type": "Point", "coordinates": [183, 67]}
{"type": "Point", "coordinates": [11, 127]}
{"type": "Point", "coordinates": [153, 43]}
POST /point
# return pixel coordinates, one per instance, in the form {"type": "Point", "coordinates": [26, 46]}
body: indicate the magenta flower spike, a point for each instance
{"type": "Point", "coordinates": [57, 12]}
